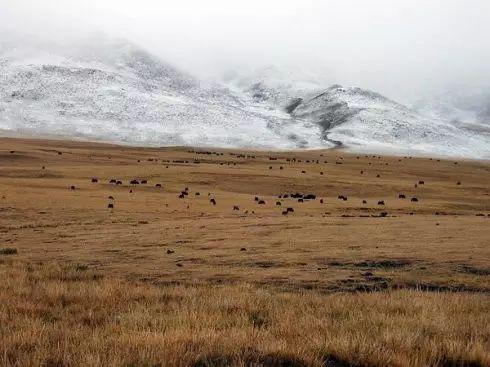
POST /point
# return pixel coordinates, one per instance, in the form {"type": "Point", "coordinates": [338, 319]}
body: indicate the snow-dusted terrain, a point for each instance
{"type": "Point", "coordinates": [462, 104]}
{"type": "Point", "coordinates": [114, 91]}
{"type": "Point", "coordinates": [117, 92]}
{"type": "Point", "coordinates": [365, 120]}
{"type": "Point", "coordinates": [469, 110]}
{"type": "Point", "coordinates": [278, 85]}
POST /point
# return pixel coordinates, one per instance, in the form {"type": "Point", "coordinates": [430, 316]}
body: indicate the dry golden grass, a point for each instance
{"type": "Point", "coordinates": [160, 280]}
{"type": "Point", "coordinates": [57, 316]}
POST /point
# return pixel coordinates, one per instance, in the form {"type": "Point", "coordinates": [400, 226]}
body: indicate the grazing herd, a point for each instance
{"type": "Point", "coordinates": [298, 197]}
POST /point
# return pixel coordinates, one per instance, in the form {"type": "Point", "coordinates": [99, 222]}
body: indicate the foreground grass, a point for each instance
{"type": "Point", "coordinates": [55, 316]}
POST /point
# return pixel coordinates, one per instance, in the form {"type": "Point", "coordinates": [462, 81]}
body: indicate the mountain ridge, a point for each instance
{"type": "Point", "coordinates": [113, 90]}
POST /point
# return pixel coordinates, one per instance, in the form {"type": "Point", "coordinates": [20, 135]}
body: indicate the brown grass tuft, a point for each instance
{"type": "Point", "coordinates": [58, 316]}
{"type": "Point", "coordinates": [161, 280]}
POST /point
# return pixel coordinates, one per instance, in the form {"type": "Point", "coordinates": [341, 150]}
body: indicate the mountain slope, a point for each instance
{"type": "Point", "coordinates": [467, 105]}
{"type": "Point", "coordinates": [366, 120]}
{"type": "Point", "coordinates": [116, 91]}
{"type": "Point", "coordinates": [112, 90]}
{"type": "Point", "coordinates": [361, 119]}
{"type": "Point", "coordinates": [467, 108]}
{"type": "Point", "coordinates": [277, 86]}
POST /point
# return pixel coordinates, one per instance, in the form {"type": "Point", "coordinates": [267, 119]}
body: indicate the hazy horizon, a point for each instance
{"type": "Point", "coordinates": [403, 49]}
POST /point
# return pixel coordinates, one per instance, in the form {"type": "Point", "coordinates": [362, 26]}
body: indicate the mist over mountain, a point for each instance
{"type": "Point", "coordinates": [115, 91]}
{"type": "Point", "coordinates": [461, 105]}
{"type": "Point", "coordinates": [105, 89]}
{"type": "Point", "coordinates": [278, 85]}
{"type": "Point", "coordinates": [365, 120]}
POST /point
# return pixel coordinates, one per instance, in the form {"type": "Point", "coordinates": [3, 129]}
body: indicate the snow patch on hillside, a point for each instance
{"type": "Point", "coordinates": [111, 90]}
{"type": "Point", "coordinates": [363, 119]}
{"type": "Point", "coordinates": [117, 92]}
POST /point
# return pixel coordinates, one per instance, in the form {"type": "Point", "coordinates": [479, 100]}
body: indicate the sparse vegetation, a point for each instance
{"type": "Point", "coordinates": [51, 315]}
{"type": "Point", "coordinates": [165, 278]}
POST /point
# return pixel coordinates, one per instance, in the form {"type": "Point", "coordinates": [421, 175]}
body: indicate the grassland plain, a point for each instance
{"type": "Point", "coordinates": [388, 264]}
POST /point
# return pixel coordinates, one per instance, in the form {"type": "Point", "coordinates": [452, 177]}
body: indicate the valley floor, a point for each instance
{"type": "Point", "coordinates": [163, 280]}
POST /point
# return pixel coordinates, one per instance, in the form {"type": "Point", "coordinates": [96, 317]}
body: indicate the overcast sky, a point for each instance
{"type": "Point", "coordinates": [398, 47]}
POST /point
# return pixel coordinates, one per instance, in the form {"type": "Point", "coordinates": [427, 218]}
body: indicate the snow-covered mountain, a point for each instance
{"type": "Point", "coordinates": [466, 108]}
{"type": "Point", "coordinates": [362, 119]}
{"type": "Point", "coordinates": [466, 105]}
{"type": "Point", "coordinates": [113, 90]}
{"type": "Point", "coordinates": [277, 85]}
{"type": "Point", "coordinates": [103, 89]}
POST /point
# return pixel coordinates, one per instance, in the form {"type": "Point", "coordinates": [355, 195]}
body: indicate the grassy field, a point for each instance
{"type": "Point", "coordinates": [159, 280]}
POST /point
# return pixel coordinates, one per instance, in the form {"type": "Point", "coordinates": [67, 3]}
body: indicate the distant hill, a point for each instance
{"type": "Point", "coordinates": [115, 91]}
{"type": "Point", "coordinates": [106, 89]}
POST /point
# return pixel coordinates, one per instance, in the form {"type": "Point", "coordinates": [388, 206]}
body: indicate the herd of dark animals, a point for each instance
{"type": "Point", "coordinates": [300, 197]}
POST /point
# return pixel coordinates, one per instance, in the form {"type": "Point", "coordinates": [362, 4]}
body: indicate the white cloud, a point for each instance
{"type": "Point", "coordinates": [399, 47]}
